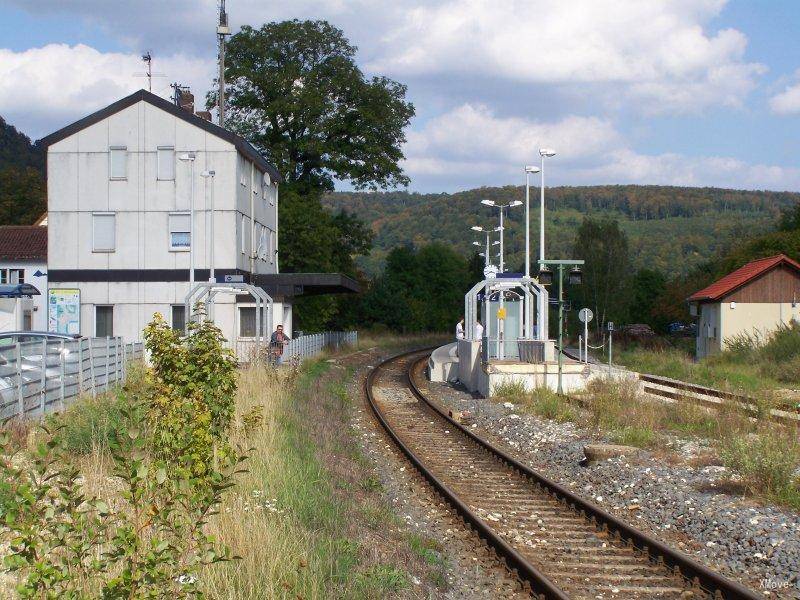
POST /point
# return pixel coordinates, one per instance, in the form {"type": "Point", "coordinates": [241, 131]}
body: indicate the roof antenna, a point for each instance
{"type": "Point", "coordinates": [147, 59]}
{"type": "Point", "coordinates": [222, 31]}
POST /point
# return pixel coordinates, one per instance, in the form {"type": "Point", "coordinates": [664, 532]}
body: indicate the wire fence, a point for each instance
{"type": "Point", "coordinates": [40, 377]}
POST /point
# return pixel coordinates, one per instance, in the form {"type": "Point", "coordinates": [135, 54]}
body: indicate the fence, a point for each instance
{"type": "Point", "coordinates": [301, 347]}
{"type": "Point", "coordinates": [42, 376]}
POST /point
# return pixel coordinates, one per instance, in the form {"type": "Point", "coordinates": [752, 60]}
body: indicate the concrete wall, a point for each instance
{"type": "Point", "coordinates": [469, 364]}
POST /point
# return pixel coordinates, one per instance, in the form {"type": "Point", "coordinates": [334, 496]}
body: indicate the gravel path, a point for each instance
{"type": "Point", "coordinates": [758, 545]}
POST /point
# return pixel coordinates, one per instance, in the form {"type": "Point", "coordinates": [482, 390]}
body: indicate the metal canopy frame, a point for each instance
{"type": "Point", "coordinates": [209, 289]}
{"type": "Point", "coordinates": [530, 288]}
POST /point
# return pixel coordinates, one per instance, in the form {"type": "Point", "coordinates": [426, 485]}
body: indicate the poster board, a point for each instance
{"type": "Point", "coordinates": [64, 310]}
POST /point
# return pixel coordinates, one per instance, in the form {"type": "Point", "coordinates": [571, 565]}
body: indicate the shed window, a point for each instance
{"type": "Point", "coordinates": [271, 246]}
{"type": "Point", "coordinates": [180, 233]}
{"type": "Point", "coordinates": [119, 162]}
{"type": "Point", "coordinates": [247, 322]}
{"type": "Point", "coordinates": [178, 317]}
{"type": "Point", "coordinates": [104, 238]}
{"type": "Point", "coordinates": [244, 228]}
{"type": "Point", "coordinates": [166, 163]}
{"type": "Point", "coordinates": [104, 321]}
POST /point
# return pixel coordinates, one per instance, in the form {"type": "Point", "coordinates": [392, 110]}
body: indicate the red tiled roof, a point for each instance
{"type": "Point", "coordinates": [23, 242]}
{"type": "Point", "coordinates": [736, 279]}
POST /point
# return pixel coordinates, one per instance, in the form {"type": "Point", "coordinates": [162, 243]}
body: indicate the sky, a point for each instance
{"type": "Point", "coordinates": [673, 92]}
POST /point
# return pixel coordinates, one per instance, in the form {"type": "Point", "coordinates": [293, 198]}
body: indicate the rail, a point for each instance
{"type": "Point", "coordinates": [693, 572]}
{"type": "Point", "coordinates": [44, 376]}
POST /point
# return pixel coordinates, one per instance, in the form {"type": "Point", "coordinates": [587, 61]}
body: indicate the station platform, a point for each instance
{"type": "Point", "coordinates": [443, 363]}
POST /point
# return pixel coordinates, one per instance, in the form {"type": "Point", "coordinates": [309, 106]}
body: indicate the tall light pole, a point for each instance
{"type": "Point", "coordinates": [189, 157]}
{"type": "Point", "coordinates": [502, 208]}
{"type": "Point", "coordinates": [211, 275]}
{"type": "Point", "coordinates": [528, 171]}
{"type": "Point", "coordinates": [488, 233]}
{"type": "Point", "coordinates": [542, 152]}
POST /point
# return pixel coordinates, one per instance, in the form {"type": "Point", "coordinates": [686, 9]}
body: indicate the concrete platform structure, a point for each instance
{"type": "Point", "coordinates": [443, 363]}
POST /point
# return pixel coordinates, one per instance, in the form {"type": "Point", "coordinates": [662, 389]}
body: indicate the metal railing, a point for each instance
{"type": "Point", "coordinates": [307, 346]}
{"type": "Point", "coordinates": [299, 348]}
{"type": "Point", "coordinates": [43, 376]}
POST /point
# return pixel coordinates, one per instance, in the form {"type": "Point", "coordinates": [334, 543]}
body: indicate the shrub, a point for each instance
{"type": "Point", "coordinates": [783, 344]}
{"type": "Point", "coordinates": [743, 346]}
{"type": "Point", "coordinates": [766, 462]}
{"type": "Point", "coordinates": [193, 398]}
{"type": "Point", "coordinates": [510, 390]}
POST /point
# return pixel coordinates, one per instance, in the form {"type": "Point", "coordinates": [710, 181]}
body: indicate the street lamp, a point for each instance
{"type": "Point", "coordinates": [211, 275]}
{"type": "Point", "coordinates": [488, 233]}
{"type": "Point", "coordinates": [573, 278]}
{"type": "Point", "coordinates": [542, 152]}
{"type": "Point", "coordinates": [502, 208]}
{"type": "Point", "coordinates": [189, 157]}
{"type": "Point", "coordinates": [528, 171]}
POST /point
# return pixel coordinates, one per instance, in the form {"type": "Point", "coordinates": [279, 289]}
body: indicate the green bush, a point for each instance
{"type": "Point", "coordinates": [783, 344]}
{"type": "Point", "coordinates": [510, 390]}
{"type": "Point", "coordinates": [99, 422]}
{"type": "Point", "coordinates": [766, 462]}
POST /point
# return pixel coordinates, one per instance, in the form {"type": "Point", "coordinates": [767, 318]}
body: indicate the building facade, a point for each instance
{"type": "Point", "coordinates": [753, 300]}
{"type": "Point", "coordinates": [23, 259]}
{"type": "Point", "coordinates": [141, 191]}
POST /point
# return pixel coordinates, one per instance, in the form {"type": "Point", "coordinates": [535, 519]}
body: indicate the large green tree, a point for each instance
{"type": "Point", "coordinates": [604, 247]}
{"type": "Point", "coordinates": [296, 92]}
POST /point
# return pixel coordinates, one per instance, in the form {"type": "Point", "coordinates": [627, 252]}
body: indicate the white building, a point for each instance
{"type": "Point", "coordinates": [122, 185]}
{"type": "Point", "coordinates": [23, 259]}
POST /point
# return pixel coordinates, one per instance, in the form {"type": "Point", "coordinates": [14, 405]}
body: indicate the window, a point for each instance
{"type": "Point", "coordinates": [247, 322]}
{"type": "Point", "coordinates": [269, 193]}
{"type": "Point", "coordinates": [104, 237]}
{"type": "Point", "coordinates": [244, 226]}
{"type": "Point", "coordinates": [262, 244]}
{"type": "Point", "coordinates": [166, 163]}
{"type": "Point", "coordinates": [178, 317]}
{"type": "Point", "coordinates": [104, 321]}
{"type": "Point", "coordinates": [16, 276]}
{"type": "Point", "coordinates": [271, 246]}
{"type": "Point", "coordinates": [119, 162]}
{"type": "Point", "coordinates": [180, 236]}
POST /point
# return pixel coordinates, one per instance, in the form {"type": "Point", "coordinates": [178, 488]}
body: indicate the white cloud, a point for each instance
{"type": "Point", "coordinates": [471, 146]}
{"type": "Point", "coordinates": [657, 54]}
{"type": "Point", "coordinates": [42, 89]}
{"type": "Point", "coordinates": [787, 102]}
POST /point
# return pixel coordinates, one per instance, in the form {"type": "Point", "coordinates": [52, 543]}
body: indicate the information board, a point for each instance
{"type": "Point", "coordinates": [64, 310]}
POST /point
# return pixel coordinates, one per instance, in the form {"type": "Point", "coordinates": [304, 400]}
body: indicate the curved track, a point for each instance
{"type": "Point", "coordinates": [557, 543]}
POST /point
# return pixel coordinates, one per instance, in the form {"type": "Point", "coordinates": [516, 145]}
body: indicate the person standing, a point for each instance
{"type": "Point", "coordinates": [277, 342]}
{"type": "Point", "coordinates": [479, 330]}
{"type": "Point", "coordinates": [460, 330]}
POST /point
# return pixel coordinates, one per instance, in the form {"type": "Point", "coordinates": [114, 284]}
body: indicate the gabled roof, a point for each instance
{"type": "Point", "coordinates": [23, 242]}
{"type": "Point", "coordinates": [242, 145]}
{"type": "Point", "coordinates": [741, 276]}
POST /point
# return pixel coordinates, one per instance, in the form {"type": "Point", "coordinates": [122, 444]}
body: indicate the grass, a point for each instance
{"type": "Point", "coordinates": [751, 363]}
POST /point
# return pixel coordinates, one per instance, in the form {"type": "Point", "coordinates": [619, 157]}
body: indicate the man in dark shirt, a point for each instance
{"type": "Point", "coordinates": [276, 343]}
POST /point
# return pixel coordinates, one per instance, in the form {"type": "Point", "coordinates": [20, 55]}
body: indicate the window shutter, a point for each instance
{"type": "Point", "coordinates": [103, 232]}
{"type": "Point", "coordinates": [179, 230]}
{"type": "Point", "coordinates": [166, 163]}
{"type": "Point", "coordinates": [119, 160]}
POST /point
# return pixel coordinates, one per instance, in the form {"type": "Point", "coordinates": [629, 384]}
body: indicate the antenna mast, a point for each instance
{"type": "Point", "coordinates": [148, 60]}
{"type": "Point", "coordinates": [222, 31]}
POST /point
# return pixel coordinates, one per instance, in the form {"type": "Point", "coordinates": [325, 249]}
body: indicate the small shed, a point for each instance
{"type": "Point", "coordinates": [754, 299]}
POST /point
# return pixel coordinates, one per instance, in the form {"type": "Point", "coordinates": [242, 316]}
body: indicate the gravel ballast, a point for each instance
{"type": "Point", "coordinates": [755, 544]}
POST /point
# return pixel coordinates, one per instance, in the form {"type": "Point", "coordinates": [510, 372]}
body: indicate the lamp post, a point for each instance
{"type": "Point", "coordinates": [211, 275]}
{"type": "Point", "coordinates": [488, 233]}
{"type": "Point", "coordinates": [528, 171]}
{"type": "Point", "coordinates": [190, 157]}
{"type": "Point", "coordinates": [546, 276]}
{"type": "Point", "coordinates": [542, 152]}
{"type": "Point", "coordinates": [502, 208]}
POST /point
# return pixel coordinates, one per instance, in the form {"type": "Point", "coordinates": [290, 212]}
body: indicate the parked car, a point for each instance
{"type": "Point", "coordinates": [8, 338]}
{"type": "Point", "coordinates": [31, 354]}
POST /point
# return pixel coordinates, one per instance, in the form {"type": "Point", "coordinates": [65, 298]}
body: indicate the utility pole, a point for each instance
{"type": "Point", "coordinates": [148, 61]}
{"type": "Point", "coordinates": [222, 31]}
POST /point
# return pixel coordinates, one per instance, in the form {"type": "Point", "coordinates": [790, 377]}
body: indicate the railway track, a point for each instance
{"type": "Point", "coordinates": [556, 543]}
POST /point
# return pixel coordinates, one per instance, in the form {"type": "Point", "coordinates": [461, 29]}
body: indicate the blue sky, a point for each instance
{"type": "Point", "coordinates": [684, 92]}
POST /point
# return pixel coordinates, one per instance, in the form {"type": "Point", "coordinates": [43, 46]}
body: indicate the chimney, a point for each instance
{"type": "Point", "coordinates": [204, 114]}
{"type": "Point", "coordinates": [186, 100]}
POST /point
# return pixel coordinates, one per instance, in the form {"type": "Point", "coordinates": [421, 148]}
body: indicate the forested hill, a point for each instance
{"type": "Point", "coordinates": [670, 228]}
{"type": "Point", "coordinates": [22, 190]}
